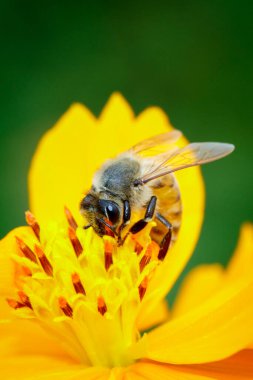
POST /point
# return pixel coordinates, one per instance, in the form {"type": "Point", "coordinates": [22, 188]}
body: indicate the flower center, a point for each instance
{"type": "Point", "coordinates": [84, 289]}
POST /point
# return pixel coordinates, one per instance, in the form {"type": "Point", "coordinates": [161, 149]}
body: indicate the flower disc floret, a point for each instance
{"type": "Point", "coordinates": [85, 288]}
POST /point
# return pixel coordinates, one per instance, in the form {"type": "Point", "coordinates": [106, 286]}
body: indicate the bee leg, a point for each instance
{"type": "Point", "coordinates": [126, 219]}
{"type": "Point", "coordinates": [138, 226]}
{"type": "Point", "coordinates": [165, 243]}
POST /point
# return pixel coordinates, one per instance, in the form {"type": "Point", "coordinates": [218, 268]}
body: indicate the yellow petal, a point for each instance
{"type": "Point", "coordinates": [26, 350]}
{"type": "Point", "coordinates": [117, 113]}
{"type": "Point", "coordinates": [159, 315]}
{"type": "Point", "coordinates": [37, 367]}
{"type": "Point", "coordinates": [8, 268]}
{"type": "Point", "coordinates": [241, 262]}
{"type": "Point", "coordinates": [70, 153]}
{"type": "Point", "coordinates": [133, 376]}
{"type": "Point", "coordinates": [150, 122]}
{"type": "Point", "coordinates": [213, 331]}
{"type": "Point", "coordinates": [59, 168]}
{"type": "Point", "coordinates": [200, 284]}
{"type": "Point", "coordinates": [237, 367]}
{"type": "Point", "coordinates": [147, 370]}
{"type": "Point", "coordinates": [116, 374]}
{"type": "Point", "coordinates": [203, 281]}
{"type": "Point", "coordinates": [21, 337]}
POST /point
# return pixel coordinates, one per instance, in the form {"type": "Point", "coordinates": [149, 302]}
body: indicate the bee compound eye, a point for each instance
{"type": "Point", "coordinates": [110, 209]}
{"type": "Point", "coordinates": [113, 213]}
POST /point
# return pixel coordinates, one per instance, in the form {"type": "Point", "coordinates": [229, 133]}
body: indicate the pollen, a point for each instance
{"type": "Point", "coordinates": [31, 221]}
{"type": "Point", "coordinates": [143, 287]}
{"type": "Point", "coordinates": [22, 302]}
{"type": "Point", "coordinates": [46, 265]}
{"type": "Point", "coordinates": [65, 307]}
{"type": "Point", "coordinates": [108, 254]}
{"type": "Point", "coordinates": [108, 230]}
{"type": "Point", "coordinates": [26, 250]}
{"type": "Point", "coordinates": [146, 257]}
{"type": "Point", "coordinates": [26, 271]}
{"type": "Point", "coordinates": [75, 241]}
{"type": "Point", "coordinates": [85, 287]}
{"type": "Point", "coordinates": [138, 247]}
{"type": "Point", "coordinates": [24, 299]}
{"type": "Point", "coordinates": [14, 304]}
{"type": "Point", "coordinates": [78, 286]}
{"type": "Point", "coordinates": [71, 221]}
{"type": "Point", "coordinates": [102, 308]}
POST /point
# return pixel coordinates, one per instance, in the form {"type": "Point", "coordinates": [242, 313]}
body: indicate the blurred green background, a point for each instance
{"type": "Point", "coordinates": [192, 58]}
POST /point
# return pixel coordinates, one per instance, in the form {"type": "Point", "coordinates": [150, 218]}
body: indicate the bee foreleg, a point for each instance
{"type": "Point", "coordinates": [165, 243]}
{"type": "Point", "coordinates": [126, 219]}
{"type": "Point", "coordinates": [150, 210]}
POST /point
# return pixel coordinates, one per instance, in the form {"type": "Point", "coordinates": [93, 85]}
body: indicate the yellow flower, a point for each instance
{"type": "Point", "coordinates": [79, 303]}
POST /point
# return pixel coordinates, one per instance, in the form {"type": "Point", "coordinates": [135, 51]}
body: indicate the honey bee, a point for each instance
{"type": "Point", "coordinates": [141, 181]}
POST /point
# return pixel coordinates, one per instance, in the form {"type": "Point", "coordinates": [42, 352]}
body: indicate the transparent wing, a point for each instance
{"type": "Point", "coordinates": [161, 142]}
{"type": "Point", "coordinates": [181, 158]}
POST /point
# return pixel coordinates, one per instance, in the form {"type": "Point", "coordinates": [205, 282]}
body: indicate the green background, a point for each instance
{"type": "Point", "coordinates": [192, 58]}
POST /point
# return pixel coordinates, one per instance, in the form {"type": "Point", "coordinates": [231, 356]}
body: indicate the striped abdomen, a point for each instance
{"type": "Point", "coordinates": [169, 206]}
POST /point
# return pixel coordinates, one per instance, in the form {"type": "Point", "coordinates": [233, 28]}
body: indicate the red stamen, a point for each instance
{"type": "Point", "coordinates": [152, 250]}
{"type": "Point", "coordinates": [102, 308]}
{"type": "Point", "coordinates": [24, 299]}
{"type": "Point", "coordinates": [71, 221]}
{"type": "Point", "coordinates": [14, 304]}
{"type": "Point", "coordinates": [77, 284]}
{"type": "Point", "coordinates": [143, 287]}
{"type": "Point", "coordinates": [65, 307]}
{"type": "Point", "coordinates": [26, 271]}
{"type": "Point", "coordinates": [31, 221]}
{"type": "Point", "coordinates": [75, 242]}
{"type": "Point", "coordinates": [108, 231]}
{"type": "Point", "coordinates": [108, 254]}
{"type": "Point", "coordinates": [46, 265]}
{"type": "Point", "coordinates": [144, 261]}
{"type": "Point", "coordinates": [28, 253]}
{"type": "Point", "coordinates": [138, 247]}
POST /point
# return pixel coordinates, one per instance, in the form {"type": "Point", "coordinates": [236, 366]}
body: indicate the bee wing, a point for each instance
{"type": "Point", "coordinates": [163, 140]}
{"type": "Point", "coordinates": [181, 158]}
